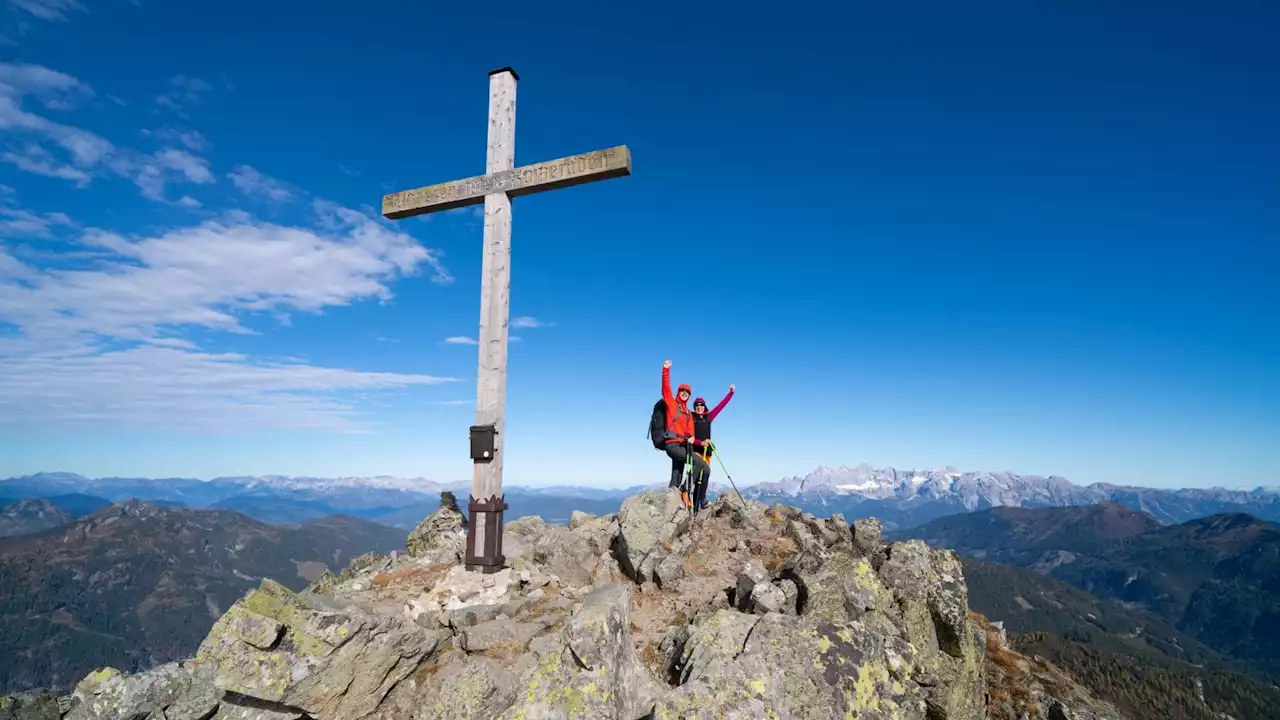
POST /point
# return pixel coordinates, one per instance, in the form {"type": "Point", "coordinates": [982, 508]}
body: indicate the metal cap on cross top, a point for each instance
{"type": "Point", "coordinates": [501, 182]}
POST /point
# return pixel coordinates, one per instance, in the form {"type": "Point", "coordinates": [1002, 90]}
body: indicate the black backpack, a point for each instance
{"type": "Point", "coordinates": [658, 425]}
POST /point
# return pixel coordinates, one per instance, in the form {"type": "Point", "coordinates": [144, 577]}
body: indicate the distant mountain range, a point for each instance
{"type": "Point", "coordinates": [399, 502]}
{"type": "Point", "coordinates": [134, 585]}
{"type": "Point", "coordinates": [906, 498]}
{"type": "Point", "coordinates": [36, 514]}
{"type": "Point", "coordinates": [1215, 578]}
{"type": "Point", "coordinates": [898, 498]}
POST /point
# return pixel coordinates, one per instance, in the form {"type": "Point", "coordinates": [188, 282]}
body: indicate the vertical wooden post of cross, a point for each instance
{"type": "Point", "coordinates": [501, 182]}
{"type": "Point", "coordinates": [488, 502]}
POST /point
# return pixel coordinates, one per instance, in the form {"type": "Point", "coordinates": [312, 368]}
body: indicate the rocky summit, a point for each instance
{"type": "Point", "coordinates": [746, 611]}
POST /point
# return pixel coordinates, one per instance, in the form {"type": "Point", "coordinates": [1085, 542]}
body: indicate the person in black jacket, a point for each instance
{"type": "Point", "coordinates": [702, 445]}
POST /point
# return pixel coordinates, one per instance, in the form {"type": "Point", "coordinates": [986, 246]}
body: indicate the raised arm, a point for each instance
{"type": "Point", "coordinates": [712, 415]}
{"type": "Point", "coordinates": [666, 382]}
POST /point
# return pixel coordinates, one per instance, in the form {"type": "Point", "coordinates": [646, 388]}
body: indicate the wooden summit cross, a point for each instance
{"type": "Point", "coordinates": [501, 182]}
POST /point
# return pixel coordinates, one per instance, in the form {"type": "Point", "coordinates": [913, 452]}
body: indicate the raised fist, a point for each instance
{"type": "Point", "coordinates": [730, 387]}
{"type": "Point", "coordinates": [666, 363]}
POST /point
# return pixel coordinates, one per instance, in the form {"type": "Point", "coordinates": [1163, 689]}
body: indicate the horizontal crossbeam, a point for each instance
{"type": "Point", "coordinates": [550, 175]}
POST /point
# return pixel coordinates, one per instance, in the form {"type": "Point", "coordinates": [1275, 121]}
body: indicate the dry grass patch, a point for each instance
{"type": "Point", "coordinates": [410, 575]}
{"type": "Point", "coordinates": [1009, 678]}
{"type": "Point", "coordinates": [776, 552]}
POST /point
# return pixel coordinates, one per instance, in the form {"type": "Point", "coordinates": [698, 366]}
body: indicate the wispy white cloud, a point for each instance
{"type": "Point", "coordinates": [112, 344]}
{"type": "Point", "coordinates": [374, 231]}
{"type": "Point", "coordinates": [182, 93]}
{"type": "Point", "coordinates": [254, 184]}
{"type": "Point", "coordinates": [50, 88]}
{"type": "Point", "coordinates": [455, 402]}
{"type": "Point", "coordinates": [51, 10]}
{"type": "Point", "coordinates": [86, 154]}
{"type": "Point", "coordinates": [151, 173]}
{"type": "Point", "coordinates": [15, 222]}
{"type": "Point", "coordinates": [528, 321]}
{"type": "Point", "coordinates": [37, 161]}
{"type": "Point", "coordinates": [192, 140]}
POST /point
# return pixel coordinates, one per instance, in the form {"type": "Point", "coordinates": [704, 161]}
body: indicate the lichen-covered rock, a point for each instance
{"type": "Point", "coordinates": [250, 709]}
{"type": "Point", "coordinates": [601, 621]}
{"type": "Point", "coordinates": [571, 556]}
{"type": "Point", "coordinates": [473, 688]}
{"type": "Point", "coordinates": [645, 522]}
{"type": "Point", "coordinates": [766, 598]}
{"type": "Point", "coordinates": [752, 574]}
{"type": "Point", "coordinates": [845, 587]}
{"type": "Point", "coordinates": [200, 700]}
{"type": "Point", "coordinates": [30, 706]}
{"type": "Point", "coordinates": [363, 564]}
{"type": "Point", "coordinates": [810, 547]}
{"type": "Point", "coordinates": [439, 537]}
{"type": "Point", "coordinates": [600, 531]}
{"type": "Point", "coordinates": [744, 611]}
{"type": "Point", "coordinates": [868, 539]}
{"type": "Point", "coordinates": [828, 531]}
{"type": "Point", "coordinates": [953, 679]}
{"type": "Point", "coordinates": [790, 596]}
{"type": "Point", "coordinates": [506, 633]}
{"type": "Point", "coordinates": [475, 614]}
{"type": "Point", "coordinates": [607, 571]}
{"type": "Point", "coordinates": [332, 665]}
{"type": "Point", "coordinates": [714, 644]}
{"type": "Point", "coordinates": [93, 683]}
{"type": "Point", "coordinates": [595, 675]}
{"type": "Point", "coordinates": [578, 518]}
{"type": "Point", "coordinates": [323, 585]}
{"type": "Point", "coordinates": [916, 572]}
{"type": "Point", "coordinates": [109, 695]}
{"type": "Point", "coordinates": [834, 670]}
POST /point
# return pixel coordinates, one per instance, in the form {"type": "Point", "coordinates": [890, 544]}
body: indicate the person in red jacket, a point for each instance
{"type": "Point", "coordinates": [679, 436]}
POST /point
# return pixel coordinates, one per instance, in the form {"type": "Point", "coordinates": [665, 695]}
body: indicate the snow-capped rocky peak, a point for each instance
{"type": "Point", "coordinates": [380, 482]}
{"type": "Point", "coordinates": [969, 489]}
{"type": "Point", "coordinates": [862, 480]}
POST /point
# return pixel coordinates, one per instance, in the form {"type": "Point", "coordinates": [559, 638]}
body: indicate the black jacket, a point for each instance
{"type": "Point", "coordinates": [701, 426]}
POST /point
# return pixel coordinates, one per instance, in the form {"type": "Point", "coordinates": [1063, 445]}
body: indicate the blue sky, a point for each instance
{"type": "Point", "coordinates": [1025, 236]}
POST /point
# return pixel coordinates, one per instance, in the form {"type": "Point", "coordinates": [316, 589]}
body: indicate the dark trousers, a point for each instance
{"type": "Point", "coordinates": [701, 481]}
{"type": "Point", "coordinates": [678, 453]}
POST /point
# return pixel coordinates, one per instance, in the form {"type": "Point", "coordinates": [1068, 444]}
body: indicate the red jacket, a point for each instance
{"type": "Point", "coordinates": [679, 418]}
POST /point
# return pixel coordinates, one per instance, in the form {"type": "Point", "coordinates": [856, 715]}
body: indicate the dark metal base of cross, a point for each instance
{"type": "Point", "coordinates": [489, 559]}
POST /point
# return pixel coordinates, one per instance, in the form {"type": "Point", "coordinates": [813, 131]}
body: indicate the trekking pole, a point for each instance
{"type": "Point", "coordinates": [725, 470]}
{"type": "Point", "coordinates": [686, 483]}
